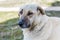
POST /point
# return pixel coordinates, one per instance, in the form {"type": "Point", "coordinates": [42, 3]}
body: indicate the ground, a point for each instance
{"type": "Point", "coordinates": [9, 30]}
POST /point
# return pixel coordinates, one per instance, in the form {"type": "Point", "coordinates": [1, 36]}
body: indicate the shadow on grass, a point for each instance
{"type": "Point", "coordinates": [9, 30]}
{"type": "Point", "coordinates": [53, 13]}
{"type": "Point", "coordinates": [10, 22]}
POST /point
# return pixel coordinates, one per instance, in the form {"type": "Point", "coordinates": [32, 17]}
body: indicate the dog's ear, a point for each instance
{"type": "Point", "coordinates": [41, 11]}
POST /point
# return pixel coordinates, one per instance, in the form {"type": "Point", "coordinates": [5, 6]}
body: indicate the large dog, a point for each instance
{"type": "Point", "coordinates": [36, 25]}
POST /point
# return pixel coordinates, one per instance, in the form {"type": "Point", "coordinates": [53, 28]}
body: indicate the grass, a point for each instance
{"type": "Point", "coordinates": [13, 3]}
{"type": "Point", "coordinates": [10, 3]}
{"type": "Point", "coordinates": [9, 30]}
{"type": "Point", "coordinates": [7, 15]}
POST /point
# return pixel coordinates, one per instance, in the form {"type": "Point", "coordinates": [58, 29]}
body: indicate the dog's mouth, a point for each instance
{"type": "Point", "coordinates": [27, 25]}
{"type": "Point", "coordinates": [24, 25]}
{"type": "Point", "coordinates": [30, 27]}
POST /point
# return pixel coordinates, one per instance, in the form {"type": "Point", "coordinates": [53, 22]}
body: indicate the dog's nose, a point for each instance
{"type": "Point", "coordinates": [21, 22]}
{"type": "Point", "coordinates": [24, 23]}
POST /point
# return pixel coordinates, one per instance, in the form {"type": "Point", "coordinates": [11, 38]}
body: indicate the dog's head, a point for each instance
{"type": "Point", "coordinates": [30, 15]}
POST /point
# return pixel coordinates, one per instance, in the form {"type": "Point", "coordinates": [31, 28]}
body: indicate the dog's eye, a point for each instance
{"type": "Point", "coordinates": [29, 13]}
{"type": "Point", "coordinates": [21, 12]}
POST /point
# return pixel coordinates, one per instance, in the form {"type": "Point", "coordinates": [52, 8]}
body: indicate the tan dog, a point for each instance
{"type": "Point", "coordinates": [36, 25]}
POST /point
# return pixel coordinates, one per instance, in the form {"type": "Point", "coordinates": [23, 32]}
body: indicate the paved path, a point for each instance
{"type": "Point", "coordinates": [52, 9]}
{"type": "Point", "coordinates": [17, 8]}
{"type": "Point", "coordinates": [9, 8]}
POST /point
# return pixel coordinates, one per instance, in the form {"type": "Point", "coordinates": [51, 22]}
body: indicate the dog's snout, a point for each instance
{"type": "Point", "coordinates": [24, 23]}
{"type": "Point", "coordinates": [21, 22]}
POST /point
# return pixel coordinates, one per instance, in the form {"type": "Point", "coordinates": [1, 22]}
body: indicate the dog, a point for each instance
{"type": "Point", "coordinates": [36, 25]}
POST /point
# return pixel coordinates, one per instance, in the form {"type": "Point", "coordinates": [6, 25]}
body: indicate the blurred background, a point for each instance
{"type": "Point", "coordinates": [9, 30]}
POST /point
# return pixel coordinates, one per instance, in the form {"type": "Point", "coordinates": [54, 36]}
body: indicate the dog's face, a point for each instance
{"type": "Point", "coordinates": [29, 15]}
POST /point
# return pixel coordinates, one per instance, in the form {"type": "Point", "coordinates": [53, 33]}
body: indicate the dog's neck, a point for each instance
{"type": "Point", "coordinates": [42, 22]}
{"type": "Point", "coordinates": [39, 32]}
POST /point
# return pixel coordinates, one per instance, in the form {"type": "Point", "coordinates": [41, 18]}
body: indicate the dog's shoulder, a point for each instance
{"type": "Point", "coordinates": [55, 21]}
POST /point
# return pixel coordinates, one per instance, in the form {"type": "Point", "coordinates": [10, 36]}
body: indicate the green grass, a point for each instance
{"type": "Point", "coordinates": [12, 3]}
{"type": "Point", "coordinates": [7, 15]}
{"type": "Point", "coordinates": [9, 30]}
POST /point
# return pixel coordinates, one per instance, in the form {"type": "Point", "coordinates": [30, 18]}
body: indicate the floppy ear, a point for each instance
{"type": "Point", "coordinates": [41, 11]}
